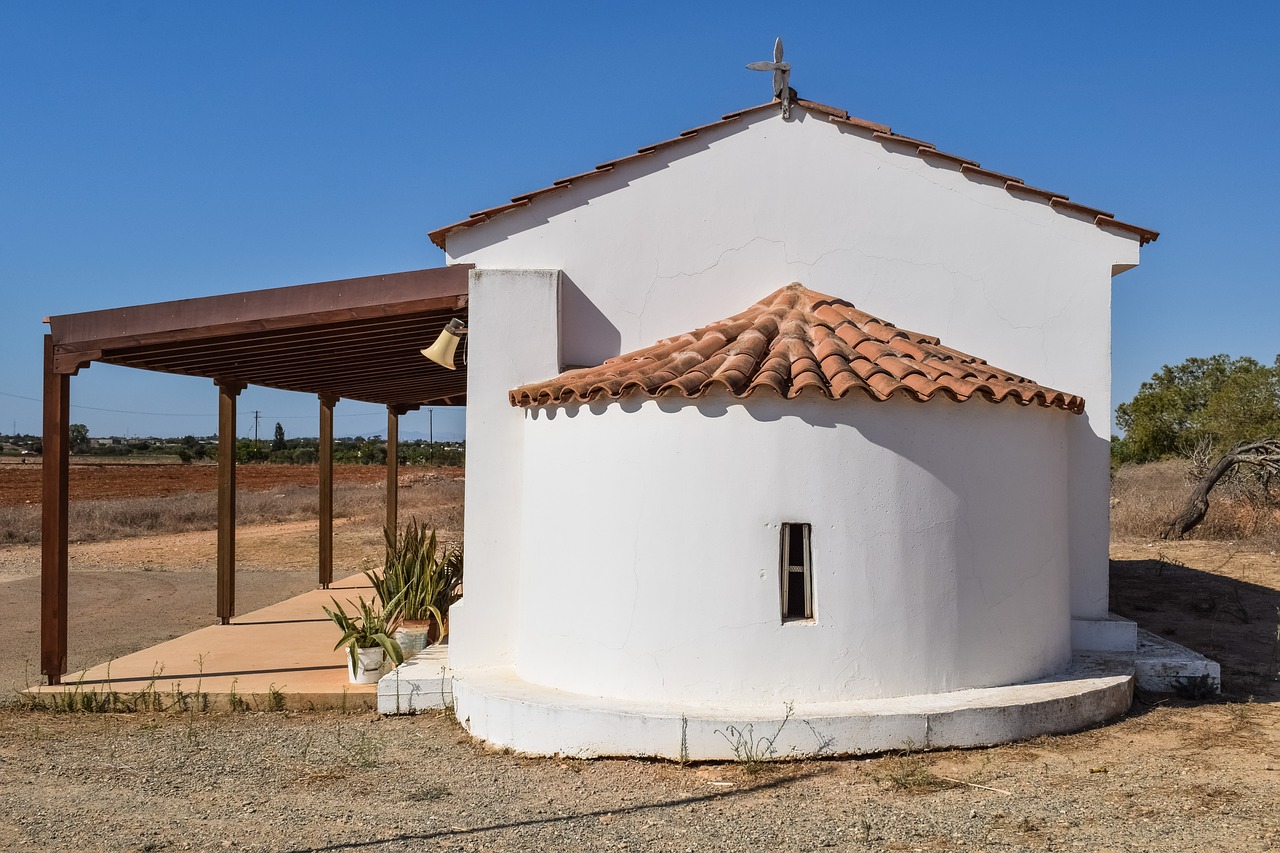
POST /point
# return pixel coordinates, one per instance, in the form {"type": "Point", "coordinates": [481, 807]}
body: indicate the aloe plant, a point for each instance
{"type": "Point", "coordinates": [423, 577]}
{"type": "Point", "coordinates": [367, 629]}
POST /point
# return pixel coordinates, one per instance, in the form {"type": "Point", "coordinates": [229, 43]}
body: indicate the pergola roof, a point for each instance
{"type": "Point", "coordinates": [357, 339]}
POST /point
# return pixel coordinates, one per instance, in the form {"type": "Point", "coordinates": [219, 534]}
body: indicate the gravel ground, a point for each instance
{"type": "Point", "coordinates": [1171, 776]}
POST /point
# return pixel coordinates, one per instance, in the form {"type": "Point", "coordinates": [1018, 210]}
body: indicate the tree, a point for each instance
{"type": "Point", "coordinates": [1216, 401]}
{"type": "Point", "coordinates": [1263, 455]}
{"type": "Point", "coordinates": [78, 437]}
{"type": "Point", "coordinates": [278, 442]}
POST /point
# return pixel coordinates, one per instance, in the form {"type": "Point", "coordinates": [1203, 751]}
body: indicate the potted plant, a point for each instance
{"type": "Point", "coordinates": [425, 578]}
{"type": "Point", "coordinates": [368, 639]}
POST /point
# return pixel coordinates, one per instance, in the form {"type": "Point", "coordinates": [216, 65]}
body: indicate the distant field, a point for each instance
{"type": "Point", "coordinates": [20, 484]}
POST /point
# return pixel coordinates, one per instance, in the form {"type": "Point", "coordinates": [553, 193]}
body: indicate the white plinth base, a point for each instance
{"type": "Point", "coordinates": [1163, 666]}
{"type": "Point", "coordinates": [497, 706]}
{"type": "Point", "coordinates": [419, 684]}
{"type": "Point", "coordinates": [1111, 633]}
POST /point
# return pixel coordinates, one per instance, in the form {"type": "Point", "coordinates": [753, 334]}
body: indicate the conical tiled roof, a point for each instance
{"type": "Point", "coordinates": [791, 342]}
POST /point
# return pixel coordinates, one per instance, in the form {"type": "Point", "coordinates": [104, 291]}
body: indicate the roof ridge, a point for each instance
{"type": "Point", "coordinates": [793, 341]}
{"type": "Point", "coordinates": [879, 132]}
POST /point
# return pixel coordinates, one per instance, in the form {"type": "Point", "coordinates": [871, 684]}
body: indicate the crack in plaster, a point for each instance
{"type": "Point", "coordinates": [718, 260]}
{"type": "Point", "coordinates": [635, 596]}
{"type": "Point", "coordinates": [1023, 578]}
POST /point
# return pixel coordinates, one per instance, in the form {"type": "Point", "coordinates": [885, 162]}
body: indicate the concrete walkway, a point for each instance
{"type": "Point", "coordinates": [279, 656]}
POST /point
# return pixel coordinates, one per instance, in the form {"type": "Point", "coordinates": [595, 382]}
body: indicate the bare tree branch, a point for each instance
{"type": "Point", "coordinates": [1264, 454]}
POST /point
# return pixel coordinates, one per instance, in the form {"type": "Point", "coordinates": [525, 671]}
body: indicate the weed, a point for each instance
{"type": "Point", "coordinates": [306, 745]}
{"type": "Point", "coordinates": [1242, 714]}
{"type": "Point", "coordinates": [148, 698]}
{"type": "Point", "coordinates": [826, 743]}
{"type": "Point", "coordinates": [684, 740]}
{"type": "Point", "coordinates": [275, 699]}
{"type": "Point", "coordinates": [181, 700]}
{"type": "Point", "coordinates": [429, 792]}
{"type": "Point", "coordinates": [362, 748]}
{"type": "Point", "coordinates": [235, 701]}
{"type": "Point", "coordinates": [1196, 687]}
{"type": "Point", "coordinates": [446, 699]}
{"type": "Point", "coordinates": [752, 752]}
{"type": "Point", "coordinates": [1236, 607]}
{"type": "Point", "coordinates": [907, 770]}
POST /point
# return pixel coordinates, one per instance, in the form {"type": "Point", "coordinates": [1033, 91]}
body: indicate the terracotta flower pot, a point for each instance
{"type": "Point", "coordinates": [414, 636]}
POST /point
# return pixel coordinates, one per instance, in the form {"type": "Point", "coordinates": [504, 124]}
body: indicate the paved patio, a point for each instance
{"type": "Point", "coordinates": [281, 653]}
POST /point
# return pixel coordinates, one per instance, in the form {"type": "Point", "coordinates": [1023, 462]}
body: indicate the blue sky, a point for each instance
{"type": "Point", "coordinates": [153, 151]}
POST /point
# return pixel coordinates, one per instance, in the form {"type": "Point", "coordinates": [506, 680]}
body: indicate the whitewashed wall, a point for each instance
{"type": "Point", "coordinates": [500, 355]}
{"type": "Point", "coordinates": [698, 232]}
{"type": "Point", "coordinates": [650, 548]}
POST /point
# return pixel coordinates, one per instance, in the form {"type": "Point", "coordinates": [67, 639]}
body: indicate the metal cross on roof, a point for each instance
{"type": "Point", "coordinates": [781, 77]}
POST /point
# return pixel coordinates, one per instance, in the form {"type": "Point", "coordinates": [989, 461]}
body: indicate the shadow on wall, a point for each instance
{"type": "Point", "coordinates": [594, 337]}
{"type": "Point", "coordinates": [1231, 621]}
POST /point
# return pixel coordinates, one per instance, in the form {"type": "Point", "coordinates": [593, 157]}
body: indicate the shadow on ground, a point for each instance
{"type": "Point", "coordinates": [1234, 622]}
{"type": "Point", "coordinates": [656, 807]}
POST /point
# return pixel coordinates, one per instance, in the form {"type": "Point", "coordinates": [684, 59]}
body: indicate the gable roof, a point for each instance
{"type": "Point", "coordinates": [879, 132]}
{"type": "Point", "coordinates": [794, 341]}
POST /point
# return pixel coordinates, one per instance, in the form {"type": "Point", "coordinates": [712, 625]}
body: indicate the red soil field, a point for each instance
{"type": "Point", "coordinates": [20, 484]}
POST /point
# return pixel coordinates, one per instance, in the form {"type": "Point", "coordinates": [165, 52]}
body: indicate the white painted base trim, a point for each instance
{"type": "Point", "coordinates": [497, 706]}
{"type": "Point", "coordinates": [1112, 633]}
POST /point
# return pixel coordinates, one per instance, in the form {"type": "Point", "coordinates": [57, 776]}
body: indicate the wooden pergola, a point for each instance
{"type": "Point", "coordinates": [357, 339]}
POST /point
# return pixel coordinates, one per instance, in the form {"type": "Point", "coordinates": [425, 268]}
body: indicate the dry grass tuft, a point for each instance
{"type": "Point", "coordinates": [100, 520]}
{"type": "Point", "coordinates": [1145, 497]}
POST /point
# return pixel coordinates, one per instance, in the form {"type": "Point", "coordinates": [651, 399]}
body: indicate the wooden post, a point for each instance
{"type": "Point", "coordinates": [227, 393]}
{"type": "Point", "coordinates": [54, 508]}
{"type": "Point", "coordinates": [326, 489]}
{"type": "Point", "coordinates": [393, 469]}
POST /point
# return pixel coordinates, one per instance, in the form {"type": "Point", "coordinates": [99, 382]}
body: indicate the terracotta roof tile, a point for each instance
{"type": "Point", "coordinates": [880, 132]}
{"type": "Point", "coordinates": [975, 169]}
{"type": "Point", "coordinates": [1048, 195]}
{"type": "Point", "coordinates": [942, 155]}
{"type": "Point", "coordinates": [796, 341]}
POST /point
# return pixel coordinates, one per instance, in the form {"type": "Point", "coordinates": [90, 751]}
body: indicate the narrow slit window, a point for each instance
{"type": "Point", "coordinates": [797, 577]}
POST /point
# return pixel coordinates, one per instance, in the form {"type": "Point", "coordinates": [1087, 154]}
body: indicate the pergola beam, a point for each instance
{"type": "Point", "coordinates": [266, 342]}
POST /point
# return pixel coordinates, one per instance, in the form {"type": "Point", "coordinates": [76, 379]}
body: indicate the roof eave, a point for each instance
{"type": "Point", "coordinates": [879, 132]}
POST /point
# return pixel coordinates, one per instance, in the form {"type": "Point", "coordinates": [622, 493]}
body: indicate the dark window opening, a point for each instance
{"type": "Point", "coordinates": [797, 576]}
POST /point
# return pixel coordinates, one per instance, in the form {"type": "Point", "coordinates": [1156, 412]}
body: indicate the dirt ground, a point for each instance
{"type": "Point", "coordinates": [128, 594]}
{"type": "Point", "coordinates": [1220, 598]}
{"type": "Point", "coordinates": [1172, 774]}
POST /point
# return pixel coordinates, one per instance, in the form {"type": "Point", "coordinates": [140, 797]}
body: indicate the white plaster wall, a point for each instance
{"type": "Point", "coordinates": [504, 305]}
{"type": "Point", "coordinates": [650, 548]}
{"type": "Point", "coordinates": [693, 234]}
